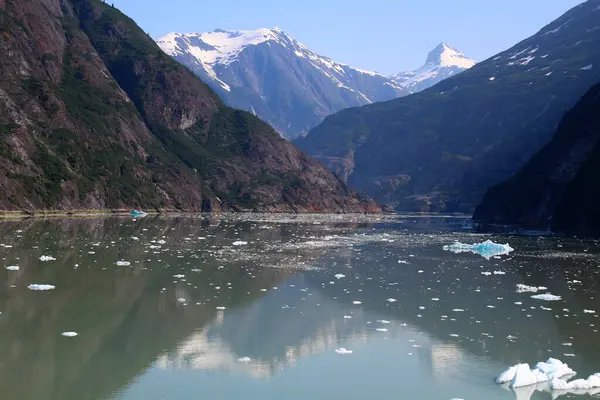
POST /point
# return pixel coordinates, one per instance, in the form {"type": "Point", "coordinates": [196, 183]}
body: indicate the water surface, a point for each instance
{"type": "Point", "coordinates": [250, 307]}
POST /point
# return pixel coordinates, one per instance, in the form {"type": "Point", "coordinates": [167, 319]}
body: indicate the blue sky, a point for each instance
{"type": "Point", "coordinates": [382, 35]}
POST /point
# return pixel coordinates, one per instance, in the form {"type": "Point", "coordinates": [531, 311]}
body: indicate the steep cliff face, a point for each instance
{"type": "Point", "coordinates": [558, 188]}
{"type": "Point", "coordinates": [94, 115]}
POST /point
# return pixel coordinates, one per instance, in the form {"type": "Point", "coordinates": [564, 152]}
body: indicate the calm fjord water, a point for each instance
{"type": "Point", "coordinates": [255, 306]}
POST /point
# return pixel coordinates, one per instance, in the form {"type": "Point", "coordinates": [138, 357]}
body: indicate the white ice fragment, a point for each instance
{"type": "Point", "coordinates": [69, 334]}
{"type": "Point", "coordinates": [383, 321]}
{"type": "Point", "coordinates": [589, 312]}
{"type": "Point", "coordinates": [12, 268]}
{"type": "Point", "coordinates": [458, 310]}
{"type": "Point", "coordinates": [523, 376]}
{"type": "Point", "coordinates": [499, 273]}
{"type": "Point", "coordinates": [587, 67]}
{"type": "Point", "coordinates": [220, 308]}
{"type": "Point", "coordinates": [123, 263]}
{"type": "Point", "coordinates": [47, 258]}
{"type": "Point", "coordinates": [343, 351]}
{"type": "Point", "coordinates": [546, 297]}
{"type": "Point", "coordinates": [391, 300]}
{"type": "Point", "coordinates": [381, 330]}
{"type": "Point", "coordinates": [486, 273]}
{"type": "Point", "coordinates": [35, 286]}
{"type": "Point", "coordinates": [244, 360]}
{"type": "Point", "coordinates": [487, 249]}
{"type": "Point", "coordinates": [357, 302]}
{"type": "Point", "coordinates": [508, 375]}
{"type": "Point", "coordinates": [239, 243]}
{"type": "Point", "coordinates": [532, 289]}
{"type": "Point", "coordinates": [347, 317]}
{"type": "Point", "coordinates": [402, 262]}
{"type": "Point", "coordinates": [179, 276]}
{"type": "Point", "coordinates": [339, 276]}
{"type": "Point", "coordinates": [181, 300]}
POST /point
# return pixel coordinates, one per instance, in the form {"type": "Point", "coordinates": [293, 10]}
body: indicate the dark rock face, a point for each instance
{"type": "Point", "coordinates": [93, 115]}
{"type": "Point", "coordinates": [559, 188]}
{"type": "Point", "coordinates": [441, 149]}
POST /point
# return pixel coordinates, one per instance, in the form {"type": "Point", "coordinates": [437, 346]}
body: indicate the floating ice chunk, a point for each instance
{"type": "Point", "coordinates": [12, 268]}
{"type": "Point", "coordinates": [179, 276]}
{"type": "Point", "coordinates": [499, 273]}
{"type": "Point", "coordinates": [123, 263]}
{"type": "Point", "coordinates": [391, 300]}
{"type": "Point", "coordinates": [592, 382]}
{"type": "Point", "coordinates": [244, 360]}
{"type": "Point", "coordinates": [492, 78]}
{"type": "Point", "coordinates": [532, 289]}
{"type": "Point", "coordinates": [339, 276]}
{"type": "Point", "coordinates": [383, 321]}
{"type": "Point", "coordinates": [588, 67]}
{"type": "Point", "coordinates": [47, 258]}
{"type": "Point", "coordinates": [161, 242]}
{"type": "Point", "coordinates": [69, 334]}
{"type": "Point", "coordinates": [220, 308]}
{"type": "Point", "coordinates": [508, 375]}
{"type": "Point", "coordinates": [486, 273]}
{"type": "Point", "coordinates": [240, 243]}
{"type": "Point", "coordinates": [402, 262]}
{"type": "Point", "coordinates": [343, 351]}
{"type": "Point", "coordinates": [35, 286]}
{"type": "Point", "coordinates": [458, 310]}
{"type": "Point", "coordinates": [546, 297]}
{"type": "Point", "coordinates": [589, 312]}
{"type": "Point", "coordinates": [524, 376]}
{"type": "Point", "coordinates": [347, 317]}
{"type": "Point", "coordinates": [181, 300]}
{"type": "Point", "coordinates": [357, 302]}
{"type": "Point", "coordinates": [487, 249]}
{"type": "Point", "coordinates": [381, 330]}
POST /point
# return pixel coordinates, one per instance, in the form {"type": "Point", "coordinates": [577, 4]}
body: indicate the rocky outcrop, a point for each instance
{"type": "Point", "coordinates": [94, 115]}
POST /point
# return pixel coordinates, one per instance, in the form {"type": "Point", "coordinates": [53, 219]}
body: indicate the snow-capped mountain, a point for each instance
{"type": "Point", "coordinates": [270, 74]}
{"type": "Point", "coordinates": [442, 62]}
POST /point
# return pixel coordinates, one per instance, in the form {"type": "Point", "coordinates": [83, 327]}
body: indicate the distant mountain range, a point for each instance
{"type": "Point", "coordinates": [269, 73]}
{"type": "Point", "coordinates": [442, 148]}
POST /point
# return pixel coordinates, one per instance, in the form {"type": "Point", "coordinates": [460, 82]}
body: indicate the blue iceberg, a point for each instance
{"type": "Point", "coordinates": [487, 249]}
{"type": "Point", "coordinates": [137, 214]}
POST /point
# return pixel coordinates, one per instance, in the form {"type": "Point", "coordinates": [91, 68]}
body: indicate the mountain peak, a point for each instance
{"type": "Point", "coordinates": [447, 56]}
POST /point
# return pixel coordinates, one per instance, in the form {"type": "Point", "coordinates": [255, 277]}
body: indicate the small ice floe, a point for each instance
{"type": "Point", "coordinates": [499, 273]}
{"type": "Point", "coordinates": [402, 262]}
{"type": "Point", "coordinates": [458, 310]}
{"type": "Point", "coordinates": [546, 297]}
{"type": "Point", "coordinates": [356, 302]}
{"type": "Point", "coordinates": [589, 312]}
{"type": "Point", "coordinates": [492, 78]}
{"type": "Point", "coordinates": [35, 286]}
{"type": "Point", "coordinates": [179, 276]}
{"type": "Point", "coordinates": [529, 289]}
{"type": "Point", "coordinates": [240, 243]}
{"type": "Point", "coordinates": [123, 263]}
{"type": "Point", "coordinates": [244, 360]}
{"type": "Point", "coordinates": [347, 317]}
{"type": "Point", "coordinates": [522, 375]}
{"type": "Point", "coordinates": [486, 273]}
{"type": "Point", "coordinates": [391, 300]}
{"type": "Point", "coordinates": [381, 330]}
{"type": "Point", "coordinates": [339, 276]}
{"type": "Point", "coordinates": [487, 249]}
{"type": "Point", "coordinates": [588, 67]}
{"type": "Point", "coordinates": [220, 308]}
{"type": "Point", "coordinates": [343, 351]}
{"type": "Point", "coordinates": [47, 258]}
{"type": "Point", "coordinates": [181, 300]}
{"type": "Point", "coordinates": [69, 334]}
{"type": "Point", "coordinates": [383, 321]}
{"type": "Point", "coordinates": [454, 335]}
{"type": "Point", "coordinates": [592, 382]}
{"type": "Point", "coordinates": [12, 268]}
